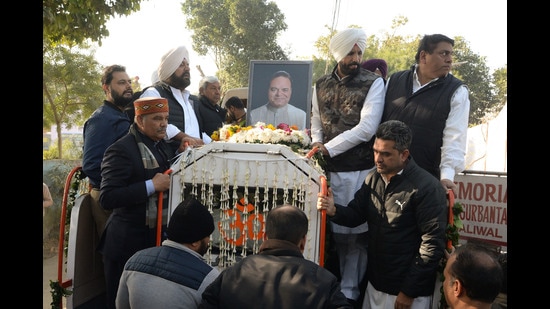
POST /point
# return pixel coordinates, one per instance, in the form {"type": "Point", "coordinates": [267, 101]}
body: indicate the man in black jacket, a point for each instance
{"type": "Point", "coordinates": [278, 276]}
{"type": "Point", "coordinates": [406, 209]}
{"type": "Point", "coordinates": [211, 113]}
{"type": "Point", "coordinates": [435, 105]}
{"type": "Point", "coordinates": [132, 174]}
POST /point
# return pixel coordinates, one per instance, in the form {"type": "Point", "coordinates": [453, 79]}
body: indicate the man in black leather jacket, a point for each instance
{"type": "Point", "coordinates": [278, 276]}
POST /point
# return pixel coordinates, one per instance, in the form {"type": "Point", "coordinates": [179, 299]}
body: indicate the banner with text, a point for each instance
{"type": "Point", "coordinates": [484, 199]}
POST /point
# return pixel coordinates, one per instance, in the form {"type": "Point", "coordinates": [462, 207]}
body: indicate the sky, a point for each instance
{"type": "Point", "coordinates": [139, 40]}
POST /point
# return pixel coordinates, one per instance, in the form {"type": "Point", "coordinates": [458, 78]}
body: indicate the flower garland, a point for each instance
{"type": "Point", "coordinates": [261, 133]}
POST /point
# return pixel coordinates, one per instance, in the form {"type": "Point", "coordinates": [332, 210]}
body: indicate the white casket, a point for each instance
{"type": "Point", "coordinates": [240, 183]}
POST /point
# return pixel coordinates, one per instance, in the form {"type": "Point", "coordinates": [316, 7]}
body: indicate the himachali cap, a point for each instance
{"type": "Point", "coordinates": [149, 105]}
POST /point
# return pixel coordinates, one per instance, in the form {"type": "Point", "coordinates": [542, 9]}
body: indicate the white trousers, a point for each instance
{"type": "Point", "coordinates": [352, 256]}
{"type": "Point", "coordinates": [350, 243]}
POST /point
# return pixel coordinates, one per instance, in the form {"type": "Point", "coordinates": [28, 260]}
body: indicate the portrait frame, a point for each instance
{"type": "Point", "coordinates": [261, 71]}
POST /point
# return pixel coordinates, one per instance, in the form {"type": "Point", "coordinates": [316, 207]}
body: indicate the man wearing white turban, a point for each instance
{"type": "Point", "coordinates": [173, 78]}
{"type": "Point", "coordinates": [343, 42]}
{"type": "Point", "coordinates": [347, 106]}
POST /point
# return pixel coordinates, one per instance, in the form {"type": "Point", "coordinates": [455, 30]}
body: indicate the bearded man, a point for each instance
{"type": "Point", "coordinates": [107, 124]}
{"type": "Point", "coordinates": [347, 106]}
{"type": "Point", "coordinates": [173, 78]}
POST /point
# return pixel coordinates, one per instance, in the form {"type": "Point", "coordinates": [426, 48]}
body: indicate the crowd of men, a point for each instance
{"type": "Point", "coordinates": [392, 146]}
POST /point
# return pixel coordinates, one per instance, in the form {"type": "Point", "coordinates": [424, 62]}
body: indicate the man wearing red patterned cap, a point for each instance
{"type": "Point", "coordinates": [347, 106]}
{"type": "Point", "coordinates": [132, 175]}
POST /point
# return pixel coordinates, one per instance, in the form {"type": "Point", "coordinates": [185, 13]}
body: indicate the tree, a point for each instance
{"type": "Point", "coordinates": [234, 32]}
{"type": "Point", "coordinates": [72, 22]}
{"type": "Point", "coordinates": [397, 50]}
{"type": "Point", "coordinates": [70, 80]}
{"type": "Point", "coordinates": [71, 90]}
{"type": "Point", "coordinates": [500, 79]}
{"type": "Point", "coordinates": [473, 71]}
{"type": "Point", "coordinates": [325, 62]}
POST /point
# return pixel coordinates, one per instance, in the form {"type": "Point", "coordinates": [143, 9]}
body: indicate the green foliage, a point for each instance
{"type": "Point", "coordinates": [234, 32]}
{"type": "Point", "coordinates": [452, 229]}
{"type": "Point", "coordinates": [69, 95]}
{"type": "Point", "coordinates": [54, 174]}
{"type": "Point", "coordinates": [70, 150]}
{"type": "Point", "coordinates": [475, 74]}
{"type": "Point", "coordinates": [500, 79]}
{"type": "Point", "coordinates": [57, 293]}
{"type": "Point", "coordinates": [72, 22]}
{"type": "Point", "coordinates": [71, 87]}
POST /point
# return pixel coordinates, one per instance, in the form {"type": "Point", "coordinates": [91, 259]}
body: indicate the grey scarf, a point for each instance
{"type": "Point", "coordinates": [150, 162]}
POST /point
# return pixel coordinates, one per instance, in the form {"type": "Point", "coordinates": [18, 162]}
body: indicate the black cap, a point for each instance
{"type": "Point", "coordinates": [191, 221]}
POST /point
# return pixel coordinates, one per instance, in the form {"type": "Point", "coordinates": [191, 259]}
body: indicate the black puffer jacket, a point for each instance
{"type": "Point", "coordinates": [212, 116]}
{"type": "Point", "coordinates": [278, 277]}
{"type": "Point", "coordinates": [407, 221]}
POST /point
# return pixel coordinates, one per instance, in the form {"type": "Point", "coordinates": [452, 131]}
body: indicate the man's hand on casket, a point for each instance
{"type": "Point", "coordinates": [321, 147]}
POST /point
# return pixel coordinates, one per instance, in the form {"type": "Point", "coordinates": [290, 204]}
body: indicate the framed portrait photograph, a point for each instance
{"type": "Point", "coordinates": [280, 92]}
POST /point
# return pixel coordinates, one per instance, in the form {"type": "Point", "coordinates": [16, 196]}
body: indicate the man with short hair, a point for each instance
{"type": "Point", "coordinates": [236, 112]}
{"type": "Point", "coordinates": [278, 276]}
{"type": "Point", "coordinates": [210, 112]}
{"type": "Point", "coordinates": [406, 209]}
{"type": "Point", "coordinates": [177, 267]}
{"type": "Point", "coordinates": [436, 105]}
{"type": "Point", "coordinates": [107, 124]}
{"type": "Point", "coordinates": [473, 278]}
